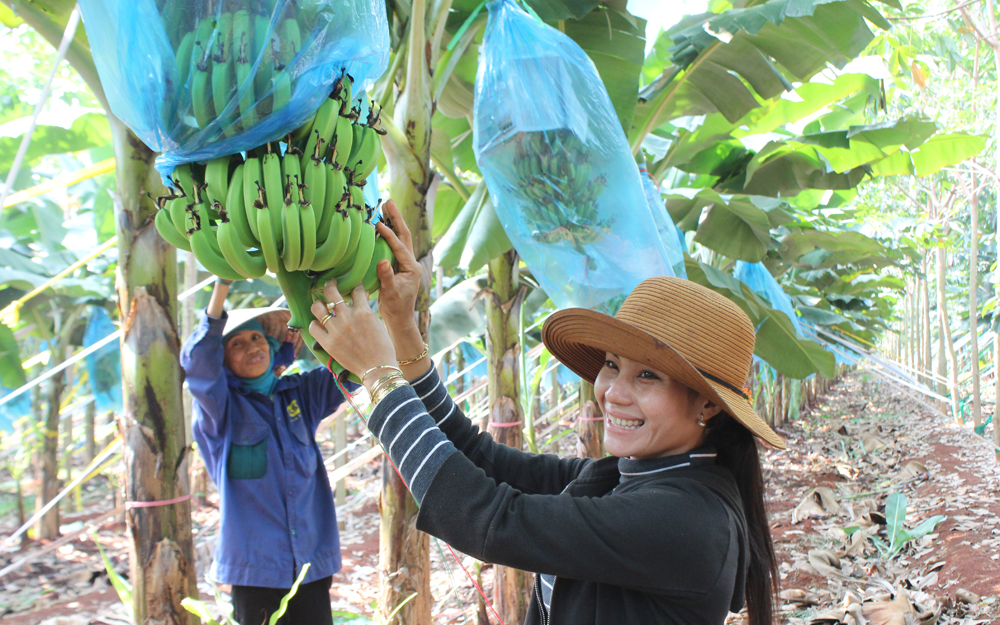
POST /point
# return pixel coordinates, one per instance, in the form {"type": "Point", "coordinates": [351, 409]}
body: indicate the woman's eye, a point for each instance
{"type": "Point", "coordinates": [649, 375]}
{"type": "Point", "coordinates": [610, 364]}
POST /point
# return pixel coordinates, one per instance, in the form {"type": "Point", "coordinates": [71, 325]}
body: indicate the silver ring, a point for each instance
{"type": "Point", "coordinates": [328, 317]}
{"type": "Point", "coordinates": [329, 307]}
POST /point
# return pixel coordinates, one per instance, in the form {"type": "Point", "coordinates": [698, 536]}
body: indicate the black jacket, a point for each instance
{"type": "Point", "coordinates": [630, 541]}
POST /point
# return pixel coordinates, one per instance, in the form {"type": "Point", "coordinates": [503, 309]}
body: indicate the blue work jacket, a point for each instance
{"type": "Point", "coordinates": [275, 501]}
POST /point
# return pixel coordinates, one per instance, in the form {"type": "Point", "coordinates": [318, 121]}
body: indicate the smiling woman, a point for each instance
{"type": "Point", "coordinates": [670, 529]}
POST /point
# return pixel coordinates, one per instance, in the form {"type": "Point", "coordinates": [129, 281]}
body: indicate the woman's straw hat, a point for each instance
{"type": "Point", "coordinates": [692, 334]}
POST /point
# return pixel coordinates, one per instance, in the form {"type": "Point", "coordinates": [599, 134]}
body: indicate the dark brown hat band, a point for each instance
{"type": "Point", "coordinates": [738, 391]}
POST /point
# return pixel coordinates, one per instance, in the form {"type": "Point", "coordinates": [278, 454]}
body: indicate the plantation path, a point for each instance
{"type": "Point", "coordinates": [864, 440]}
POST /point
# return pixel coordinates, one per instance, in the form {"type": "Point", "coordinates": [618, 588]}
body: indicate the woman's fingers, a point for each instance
{"type": "Point", "coordinates": [318, 309]}
{"type": "Point", "coordinates": [330, 291]}
{"type": "Point", "coordinates": [399, 227]}
{"type": "Point", "coordinates": [359, 294]}
{"type": "Point", "coordinates": [400, 250]}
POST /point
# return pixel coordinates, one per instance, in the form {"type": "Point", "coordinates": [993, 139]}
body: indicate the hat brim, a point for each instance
{"type": "Point", "coordinates": [236, 318]}
{"type": "Point", "coordinates": [580, 338]}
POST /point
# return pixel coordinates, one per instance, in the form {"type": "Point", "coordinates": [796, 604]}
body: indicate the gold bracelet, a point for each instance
{"type": "Point", "coordinates": [395, 373]}
{"type": "Point", "coordinates": [383, 382]}
{"type": "Point", "coordinates": [403, 363]}
{"type": "Point", "coordinates": [362, 377]}
{"type": "Point", "coordinates": [390, 387]}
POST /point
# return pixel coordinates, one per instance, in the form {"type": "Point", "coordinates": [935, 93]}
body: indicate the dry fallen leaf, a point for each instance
{"type": "Point", "coordinates": [889, 612]}
{"type": "Point", "coordinates": [799, 596]}
{"type": "Point", "coordinates": [821, 502]}
{"type": "Point", "coordinates": [966, 596]}
{"type": "Point", "coordinates": [910, 470]}
{"type": "Point", "coordinates": [826, 563]}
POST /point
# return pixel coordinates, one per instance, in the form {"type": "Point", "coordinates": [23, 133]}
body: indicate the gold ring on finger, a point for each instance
{"type": "Point", "coordinates": [328, 317]}
{"type": "Point", "coordinates": [330, 306]}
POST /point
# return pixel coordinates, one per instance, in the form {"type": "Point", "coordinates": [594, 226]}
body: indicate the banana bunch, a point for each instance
{"type": "Point", "coordinates": [214, 62]}
{"type": "Point", "coordinates": [555, 174]}
{"type": "Point", "coordinates": [300, 215]}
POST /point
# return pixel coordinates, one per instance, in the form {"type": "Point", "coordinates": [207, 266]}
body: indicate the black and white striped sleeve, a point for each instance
{"type": "Point", "coordinates": [411, 438]}
{"type": "Point", "coordinates": [434, 395]}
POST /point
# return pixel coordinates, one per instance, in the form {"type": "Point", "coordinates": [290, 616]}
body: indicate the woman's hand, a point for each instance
{"type": "Point", "coordinates": [398, 293]}
{"type": "Point", "coordinates": [355, 337]}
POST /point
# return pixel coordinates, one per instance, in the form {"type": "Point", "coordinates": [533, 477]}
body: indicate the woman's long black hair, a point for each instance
{"type": "Point", "coordinates": [737, 451]}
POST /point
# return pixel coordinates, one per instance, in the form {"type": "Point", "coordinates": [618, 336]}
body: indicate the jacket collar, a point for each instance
{"type": "Point", "coordinates": [635, 470]}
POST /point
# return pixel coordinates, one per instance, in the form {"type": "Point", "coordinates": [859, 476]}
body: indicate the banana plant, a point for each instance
{"type": "Point", "coordinates": [146, 295]}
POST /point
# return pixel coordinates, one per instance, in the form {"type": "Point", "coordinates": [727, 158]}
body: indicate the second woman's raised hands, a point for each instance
{"type": "Point", "coordinates": [398, 293]}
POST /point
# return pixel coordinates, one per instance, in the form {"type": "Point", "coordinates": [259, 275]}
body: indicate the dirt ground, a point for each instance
{"type": "Point", "coordinates": [865, 441]}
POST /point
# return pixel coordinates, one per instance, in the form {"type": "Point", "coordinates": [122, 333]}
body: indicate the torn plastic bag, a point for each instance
{"type": "Point", "coordinates": [759, 279]}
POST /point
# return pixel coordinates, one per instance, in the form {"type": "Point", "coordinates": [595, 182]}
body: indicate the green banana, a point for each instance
{"type": "Point", "coordinates": [182, 59]}
{"type": "Point", "coordinates": [289, 49]}
{"type": "Point", "coordinates": [169, 232]}
{"type": "Point", "coordinates": [223, 68]}
{"type": "Point", "coordinates": [307, 219]}
{"type": "Point", "coordinates": [344, 263]}
{"type": "Point", "coordinates": [338, 236]}
{"type": "Point", "coordinates": [336, 187]}
{"type": "Point", "coordinates": [234, 253]}
{"type": "Point", "coordinates": [201, 55]}
{"type": "Point", "coordinates": [178, 207]}
{"type": "Point", "coordinates": [217, 179]}
{"type": "Point", "coordinates": [382, 252]}
{"type": "Point", "coordinates": [262, 47]}
{"type": "Point", "coordinates": [291, 252]}
{"type": "Point", "coordinates": [268, 244]}
{"type": "Point", "coordinates": [251, 178]}
{"type": "Point", "coordinates": [314, 175]}
{"type": "Point", "coordinates": [364, 157]}
{"type": "Point", "coordinates": [359, 263]}
{"type": "Point", "coordinates": [341, 142]}
{"type": "Point", "coordinates": [243, 41]}
{"type": "Point", "coordinates": [274, 189]}
{"type": "Point", "coordinates": [236, 209]}
{"type": "Point", "coordinates": [206, 249]}
{"type": "Point", "coordinates": [323, 125]}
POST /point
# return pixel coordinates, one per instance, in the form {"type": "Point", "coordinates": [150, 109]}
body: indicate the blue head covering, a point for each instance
{"type": "Point", "coordinates": [265, 382]}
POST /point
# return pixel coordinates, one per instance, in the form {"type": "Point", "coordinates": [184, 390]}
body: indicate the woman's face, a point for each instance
{"type": "Point", "coordinates": [248, 354]}
{"type": "Point", "coordinates": [646, 414]}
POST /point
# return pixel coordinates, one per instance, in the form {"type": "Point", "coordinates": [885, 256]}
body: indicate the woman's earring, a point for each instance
{"type": "Point", "coordinates": [701, 420]}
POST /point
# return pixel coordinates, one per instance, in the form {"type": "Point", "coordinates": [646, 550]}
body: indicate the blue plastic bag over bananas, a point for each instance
{"type": "Point", "coordinates": [199, 79]}
{"type": "Point", "coordinates": [558, 166]}
{"type": "Point", "coordinates": [671, 236]}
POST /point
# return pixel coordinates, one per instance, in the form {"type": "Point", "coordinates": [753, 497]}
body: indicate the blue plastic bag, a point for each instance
{"type": "Point", "coordinates": [199, 79]}
{"type": "Point", "coordinates": [104, 366]}
{"type": "Point", "coordinates": [563, 180]}
{"type": "Point", "coordinates": [759, 279]}
{"type": "Point", "coordinates": [671, 236]}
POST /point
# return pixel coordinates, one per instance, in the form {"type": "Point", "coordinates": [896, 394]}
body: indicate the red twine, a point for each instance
{"type": "Point", "coordinates": [153, 504]}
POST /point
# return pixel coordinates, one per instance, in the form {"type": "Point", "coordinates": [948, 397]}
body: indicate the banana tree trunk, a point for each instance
{"type": "Point", "coordinates": [152, 423]}
{"type": "Point", "coordinates": [925, 321]}
{"type": "Point", "coordinates": [511, 587]}
{"type": "Point", "coordinates": [973, 304]}
{"type": "Point", "coordinates": [404, 552]}
{"type": "Point", "coordinates": [47, 527]}
{"type": "Point", "coordinates": [590, 425]}
{"type": "Point", "coordinates": [945, 329]}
